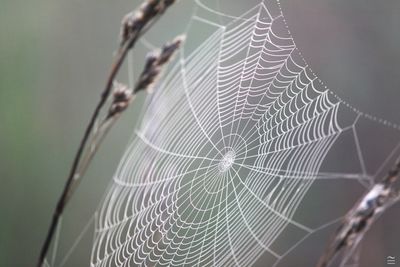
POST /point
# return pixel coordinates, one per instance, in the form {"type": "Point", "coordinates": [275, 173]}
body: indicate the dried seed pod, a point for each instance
{"type": "Point", "coordinates": [135, 21]}
{"type": "Point", "coordinates": [122, 97]}
{"type": "Point", "coordinates": [154, 63]}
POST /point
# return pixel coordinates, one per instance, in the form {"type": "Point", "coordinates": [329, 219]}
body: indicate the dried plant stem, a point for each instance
{"type": "Point", "coordinates": [134, 25]}
{"type": "Point", "coordinates": [97, 140]}
{"type": "Point", "coordinates": [361, 217]}
{"type": "Point", "coordinates": [74, 176]}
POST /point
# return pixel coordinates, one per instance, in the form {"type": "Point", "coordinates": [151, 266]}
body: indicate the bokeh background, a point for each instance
{"type": "Point", "coordinates": [54, 57]}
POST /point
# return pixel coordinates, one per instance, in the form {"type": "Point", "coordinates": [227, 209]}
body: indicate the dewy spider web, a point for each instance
{"type": "Point", "coordinates": [228, 147]}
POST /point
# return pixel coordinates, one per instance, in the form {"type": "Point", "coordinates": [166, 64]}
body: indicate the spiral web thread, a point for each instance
{"type": "Point", "coordinates": [229, 145]}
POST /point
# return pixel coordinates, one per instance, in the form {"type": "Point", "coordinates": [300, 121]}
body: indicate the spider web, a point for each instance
{"type": "Point", "coordinates": [229, 147]}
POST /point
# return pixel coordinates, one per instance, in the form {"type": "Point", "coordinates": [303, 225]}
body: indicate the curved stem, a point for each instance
{"type": "Point", "coordinates": [73, 176]}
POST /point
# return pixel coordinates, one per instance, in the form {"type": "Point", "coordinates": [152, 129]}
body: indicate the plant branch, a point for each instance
{"type": "Point", "coordinates": [133, 26]}
{"type": "Point", "coordinates": [362, 216]}
{"type": "Point", "coordinates": [123, 96]}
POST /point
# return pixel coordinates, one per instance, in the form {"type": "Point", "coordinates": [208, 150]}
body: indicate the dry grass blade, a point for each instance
{"type": "Point", "coordinates": [123, 96]}
{"type": "Point", "coordinates": [361, 217]}
{"type": "Point", "coordinates": [133, 26]}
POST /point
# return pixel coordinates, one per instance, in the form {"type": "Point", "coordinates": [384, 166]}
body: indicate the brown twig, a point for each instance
{"type": "Point", "coordinates": [362, 216]}
{"type": "Point", "coordinates": [123, 96]}
{"type": "Point", "coordinates": [133, 26]}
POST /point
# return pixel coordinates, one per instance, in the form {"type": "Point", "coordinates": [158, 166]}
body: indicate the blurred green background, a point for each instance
{"type": "Point", "coordinates": [54, 57]}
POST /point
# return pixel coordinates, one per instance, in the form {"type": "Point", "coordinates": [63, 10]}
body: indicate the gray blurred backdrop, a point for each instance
{"type": "Point", "coordinates": [54, 57]}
